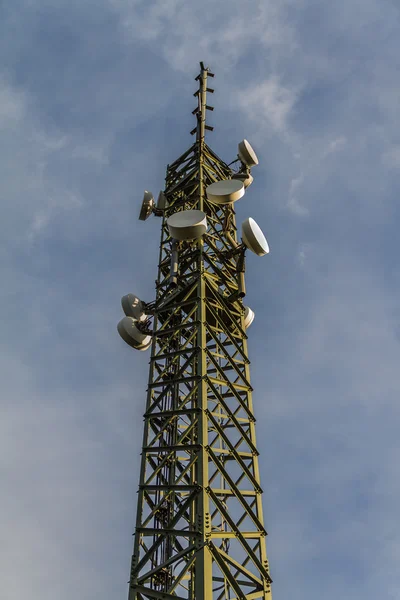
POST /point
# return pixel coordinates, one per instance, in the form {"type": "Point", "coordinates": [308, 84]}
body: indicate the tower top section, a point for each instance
{"type": "Point", "coordinates": [202, 106]}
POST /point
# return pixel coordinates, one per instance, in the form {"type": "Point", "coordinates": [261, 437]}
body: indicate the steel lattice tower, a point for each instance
{"type": "Point", "coordinates": [199, 530]}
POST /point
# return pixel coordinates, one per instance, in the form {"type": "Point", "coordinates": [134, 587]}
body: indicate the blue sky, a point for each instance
{"type": "Point", "coordinates": [95, 101]}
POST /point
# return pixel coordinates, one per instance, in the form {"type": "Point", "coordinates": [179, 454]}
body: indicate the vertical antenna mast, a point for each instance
{"type": "Point", "coordinates": [202, 104]}
{"type": "Point", "coordinates": [199, 529]}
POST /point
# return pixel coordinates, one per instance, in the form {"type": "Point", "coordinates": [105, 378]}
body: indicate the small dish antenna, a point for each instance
{"type": "Point", "coordinates": [225, 192]}
{"type": "Point", "coordinates": [253, 238]}
{"type": "Point", "coordinates": [245, 177]}
{"type": "Point", "coordinates": [247, 154]}
{"type": "Point", "coordinates": [147, 206]}
{"type": "Point", "coordinates": [248, 316]}
{"type": "Point", "coordinates": [133, 307]}
{"type": "Point", "coordinates": [187, 225]}
{"type": "Point", "coordinates": [129, 332]}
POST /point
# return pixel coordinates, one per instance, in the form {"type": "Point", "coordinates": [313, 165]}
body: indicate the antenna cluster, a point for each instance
{"type": "Point", "coordinates": [199, 529]}
{"type": "Point", "coordinates": [191, 225]}
{"type": "Point", "coordinates": [133, 328]}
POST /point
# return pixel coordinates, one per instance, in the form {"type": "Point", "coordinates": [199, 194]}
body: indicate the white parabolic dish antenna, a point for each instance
{"type": "Point", "coordinates": [247, 154]}
{"type": "Point", "coordinates": [131, 335]}
{"type": "Point", "coordinates": [147, 206]}
{"type": "Point", "coordinates": [225, 192]}
{"type": "Point", "coordinates": [253, 238]}
{"type": "Point", "coordinates": [248, 316]}
{"type": "Point", "coordinates": [133, 307]}
{"type": "Point", "coordinates": [187, 225]}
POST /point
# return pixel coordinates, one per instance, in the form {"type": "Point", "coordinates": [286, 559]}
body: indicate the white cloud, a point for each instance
{"type": "Point", "coordinates": [302, 254]}
{"type": "Point", "coordinates": [335, 145]}
{"type": "Point", "coordinates": [337, 402]}
{"type": "Point", "coordinates": [89, 152]}
{"type": "Point", "coordinates": [12, 105]}
{"type": "Point", "coordinates": [311, 159]}
{"type": "Point", "coordinates": [61, 490]}
{"type": "Point", "coordinates": [33, 191]}
{"type": "Point", "coordinates": [293, 203]}
{"type": "Point", "coordinates": [63, 201]}
{"type": "Point", "coordinates": [186, 32]}
{"type": "Point", "coordinates": [269, 103]}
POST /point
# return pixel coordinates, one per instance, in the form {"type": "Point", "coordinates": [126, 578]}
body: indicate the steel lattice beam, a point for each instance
{"type": "Point", "coordinates": [199, 530]}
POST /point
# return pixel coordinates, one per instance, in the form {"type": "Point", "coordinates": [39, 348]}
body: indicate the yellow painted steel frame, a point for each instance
{"type": "Point", "coordinates": [199, 530]}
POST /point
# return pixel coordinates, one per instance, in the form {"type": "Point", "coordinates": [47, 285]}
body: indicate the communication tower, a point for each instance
{"type": "Point", "coordinates": [200, 531]}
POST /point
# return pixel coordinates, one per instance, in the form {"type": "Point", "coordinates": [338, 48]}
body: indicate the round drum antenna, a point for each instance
{"type": "Point", "coordinates": [187, 225]}
{"type": "Point", "coordinates": [225, 192]}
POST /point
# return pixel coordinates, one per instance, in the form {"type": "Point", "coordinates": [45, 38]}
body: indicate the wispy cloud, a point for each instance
{"type": "Point", "coordinates": [269, 103]}
{"type": "Point", "coordinates": [293, 202]}
{"type": "Point", "coordinates": [182, 31]}
{"type": "Point", "coordinates": [335, 145]}
{"type": "Point", "coordinates": [12, 105]}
